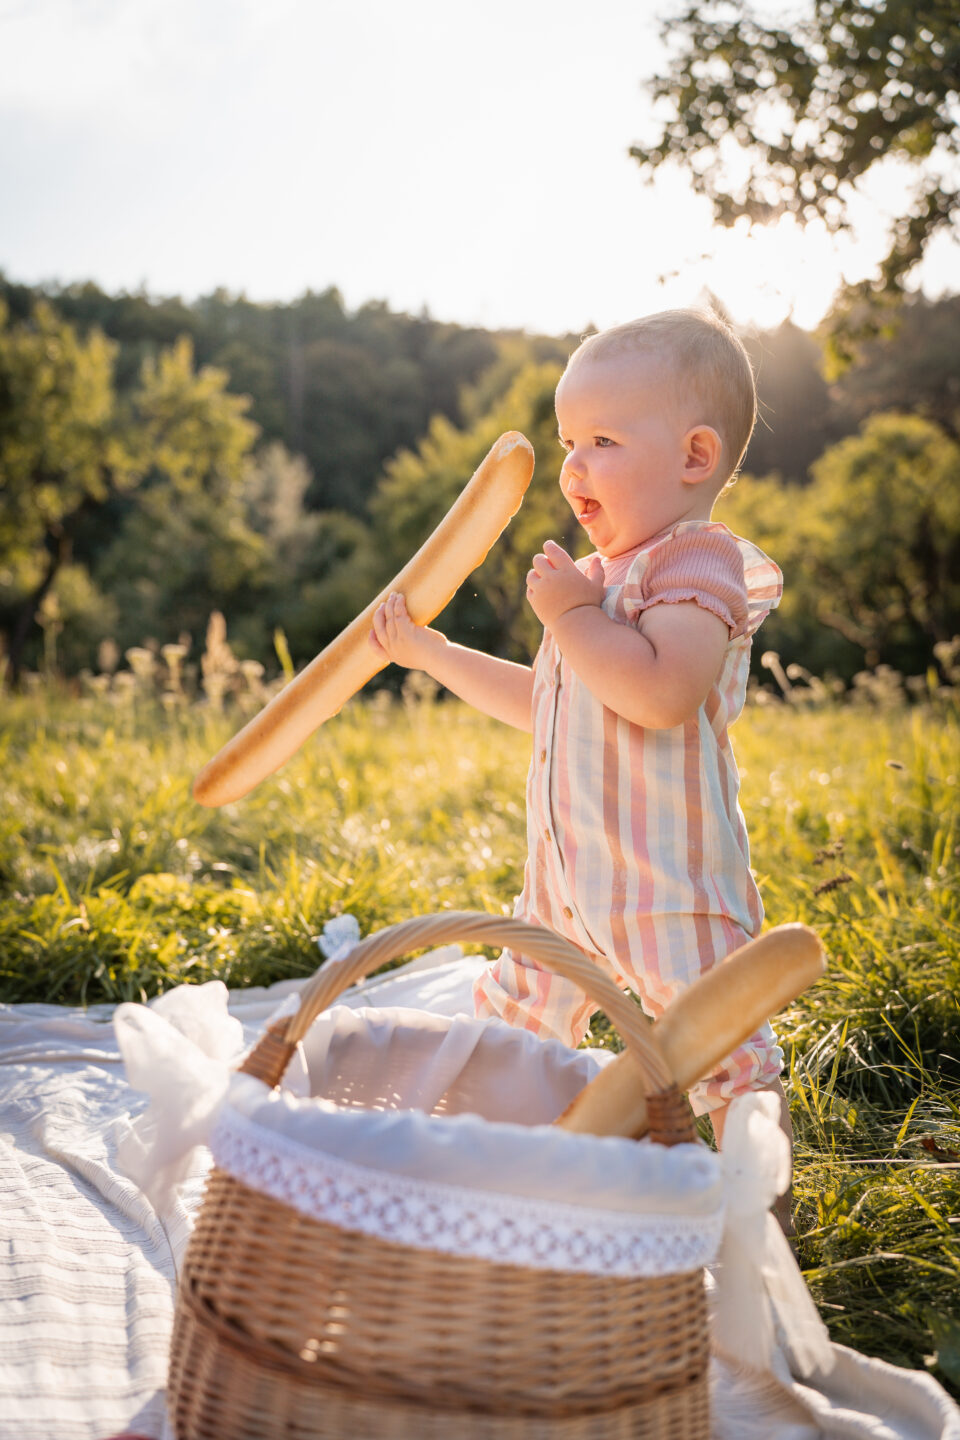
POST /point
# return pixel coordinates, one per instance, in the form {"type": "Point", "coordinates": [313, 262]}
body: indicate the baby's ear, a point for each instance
{"type": "Point", "coordinates": [702, 451]}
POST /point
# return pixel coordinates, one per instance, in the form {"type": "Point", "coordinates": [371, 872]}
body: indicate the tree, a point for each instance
{"type": "Point", "coordinates": [786, 119]}
{"type": "Point", "coordinates": [888, 506]}
{"type": "Point", "coordinates": [917, 370]}
{"type": "Point", "coordinates": [321, 568]}
{"type": "Point", "coordinates": [63, 454]}
{"type": "Point", "coordinates": [186, 547]}
{"type": "Point", "coordinates": [189, 429]}
{"type": "Point", "coordinates": [344, 389]}
{"type": "Point", "coordinates": [338, 574]}
{"type": "Point", "coordinates": [870, 549]}
{"type": "Point", "coordinates": [73, 454]}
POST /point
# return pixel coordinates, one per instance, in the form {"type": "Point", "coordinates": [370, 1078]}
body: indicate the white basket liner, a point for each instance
{"type": "Point", "coordinates": [391, 1057]}
{"type": "Point", "coordinates": [515, 1190]}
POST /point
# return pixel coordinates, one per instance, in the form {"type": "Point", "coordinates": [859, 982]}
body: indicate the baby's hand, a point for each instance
{"type": "Point", "coordinates": [555, 585]}
{"type": "Point", "coordinates": [397, 638]}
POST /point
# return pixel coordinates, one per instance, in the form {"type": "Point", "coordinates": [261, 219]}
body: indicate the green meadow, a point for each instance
{"type": "Point", "coordinates": [115, 885]}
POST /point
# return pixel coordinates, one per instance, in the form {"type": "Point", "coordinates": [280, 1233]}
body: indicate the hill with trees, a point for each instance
{"type": "Point", "coordinates": [162, 460]}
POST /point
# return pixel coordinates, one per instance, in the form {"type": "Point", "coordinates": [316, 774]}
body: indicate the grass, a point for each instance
{"type": "Point", "coordinates": [115, 885]}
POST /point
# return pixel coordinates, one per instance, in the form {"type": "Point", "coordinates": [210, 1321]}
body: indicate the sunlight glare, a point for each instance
{"type": "Point", "coordinates": [771, 273]}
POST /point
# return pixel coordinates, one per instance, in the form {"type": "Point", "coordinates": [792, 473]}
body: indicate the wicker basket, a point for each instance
{"type": "Point", "coordinates": [289, 1326]}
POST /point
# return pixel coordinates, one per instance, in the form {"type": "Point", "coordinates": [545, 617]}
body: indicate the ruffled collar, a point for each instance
{"type": "Point", "coordinates": [616, 567]}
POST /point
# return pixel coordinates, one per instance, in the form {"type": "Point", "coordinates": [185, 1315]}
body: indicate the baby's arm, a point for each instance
{"type": "Point", "coordinates": [497, 687]}
{"type": "Point", "coordinates": [657, 675]}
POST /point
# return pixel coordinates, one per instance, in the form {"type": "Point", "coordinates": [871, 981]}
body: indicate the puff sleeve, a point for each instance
{"type": "Point", "coordinates": [707, 564]}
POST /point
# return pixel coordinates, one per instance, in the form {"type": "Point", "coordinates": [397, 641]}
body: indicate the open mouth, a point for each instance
{"type": "Point", "coordinates": [587, 511]}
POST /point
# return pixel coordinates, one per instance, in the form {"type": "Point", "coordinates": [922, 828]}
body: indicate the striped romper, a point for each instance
{"type": "Point", "coordinates": [637, 850]}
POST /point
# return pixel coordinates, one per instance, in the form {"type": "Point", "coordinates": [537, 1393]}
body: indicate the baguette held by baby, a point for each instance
{"type": "Point", "coordinates": [429, 581]}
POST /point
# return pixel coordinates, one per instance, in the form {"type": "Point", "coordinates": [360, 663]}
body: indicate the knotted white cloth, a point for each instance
{"type": "Point", "coordinates": [756, 1274]}
{"type": "Point", "coordinates": [181, 1050]}
{"type": "Point", "coordinates": [178, 1050]}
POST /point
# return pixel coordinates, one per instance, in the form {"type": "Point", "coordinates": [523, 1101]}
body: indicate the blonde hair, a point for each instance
{"type": "Point", "coordinates": [701, 351]}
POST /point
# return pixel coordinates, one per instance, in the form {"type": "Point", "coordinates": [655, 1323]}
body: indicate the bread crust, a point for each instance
{"type": "Point", "coordinates": [428, 582]}
{"type": "Point", "coordinates": [704, 1025]}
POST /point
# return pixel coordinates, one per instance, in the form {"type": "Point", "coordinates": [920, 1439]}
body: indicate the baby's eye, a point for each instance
{"type": "Point", "coordinates": [564, 444]}
{"type": "Point", "coordinates": [602, 441]}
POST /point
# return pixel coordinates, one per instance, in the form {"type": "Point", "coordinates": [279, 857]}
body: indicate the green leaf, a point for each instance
{"type": "Point", "coordinates": [906, 1121]}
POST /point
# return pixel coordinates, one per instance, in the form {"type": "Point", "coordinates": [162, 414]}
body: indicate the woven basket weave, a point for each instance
{"type": "Point", "coordinates": [288, 1326]}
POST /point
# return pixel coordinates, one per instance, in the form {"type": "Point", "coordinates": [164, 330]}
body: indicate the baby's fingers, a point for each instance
{"type": "Point", "coordinates": [378, 634]}
{"type": "Point", "coordinates": [391, 625]}
{"type": "Point", "coordinates": [541, 565]}
{"type": "Point", "coordinates": [556, 555]}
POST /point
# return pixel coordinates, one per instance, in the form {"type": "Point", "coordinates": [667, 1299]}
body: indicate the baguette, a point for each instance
{"type": "Point", "coordinates": [428, 582]}
{"type": "Point", "coordinates": [704, 1025]}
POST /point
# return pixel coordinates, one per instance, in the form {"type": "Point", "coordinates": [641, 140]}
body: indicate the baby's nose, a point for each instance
{"type": "Point", "coordinates": [572, 472]}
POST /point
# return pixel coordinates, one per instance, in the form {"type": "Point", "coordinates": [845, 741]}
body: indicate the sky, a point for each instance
{"type": "Point", "coordinates": [467, 159]}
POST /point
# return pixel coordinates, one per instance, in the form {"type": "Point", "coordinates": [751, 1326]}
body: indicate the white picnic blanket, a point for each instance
{"type": "Point", "coordinates": [89, 1267]}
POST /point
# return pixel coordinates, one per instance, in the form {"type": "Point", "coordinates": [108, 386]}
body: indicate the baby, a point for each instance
{"type": "Point", "coordinates": [637, 849]}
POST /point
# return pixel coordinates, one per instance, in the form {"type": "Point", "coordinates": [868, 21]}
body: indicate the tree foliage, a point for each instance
{"type": "Point", "coordinates": [132, 503]}
{"type": "Point", "coordinates": [917, 370]}
{"type": "Point", "coordinates": [344, 389]}
{"type": "Point", "coordinates": [188, 429]}
{"type": "Point", "coordinates": [188, 545]}
{"type": "Point", "coordinates": [72, 453]}
{"type": "Point", "coordinates": [870, 549]}
{"type": "Point", "coordinates": [772, 119]}
{"type": "Point", "coordinates": [886, 512]}
{"type": "Point", "coordinates": [63, 453]}
{"type": "Point", "coordinates": [59, 446]}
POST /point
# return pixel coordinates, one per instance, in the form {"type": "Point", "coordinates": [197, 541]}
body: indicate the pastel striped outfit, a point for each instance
{"type": "Point", "coordinates": [637, 848]}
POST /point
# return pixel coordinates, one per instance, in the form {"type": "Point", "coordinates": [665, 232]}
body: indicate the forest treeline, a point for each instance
{"type": "Point", "coordinates": [161, 460]}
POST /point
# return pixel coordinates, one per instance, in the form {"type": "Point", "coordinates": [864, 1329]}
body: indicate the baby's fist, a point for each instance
{"type": "Point", "coordinates": [395, 636]}
{"type": "Point", "coordinates": [555, 584]}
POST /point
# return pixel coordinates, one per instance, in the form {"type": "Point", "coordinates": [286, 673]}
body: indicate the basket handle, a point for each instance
{"type": "Point", "coordinates": [555, 953]}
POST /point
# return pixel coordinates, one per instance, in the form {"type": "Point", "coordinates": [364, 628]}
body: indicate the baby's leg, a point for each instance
{"type": "Point", "coordinates": [515, 988]}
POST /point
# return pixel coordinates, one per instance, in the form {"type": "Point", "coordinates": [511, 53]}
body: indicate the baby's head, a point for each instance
{"type": "Point", "coordinates": [655, 416]}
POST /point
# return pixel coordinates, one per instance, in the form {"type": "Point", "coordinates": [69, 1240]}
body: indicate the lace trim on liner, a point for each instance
{"type": "Point", "coordinates": [507, 1229]}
